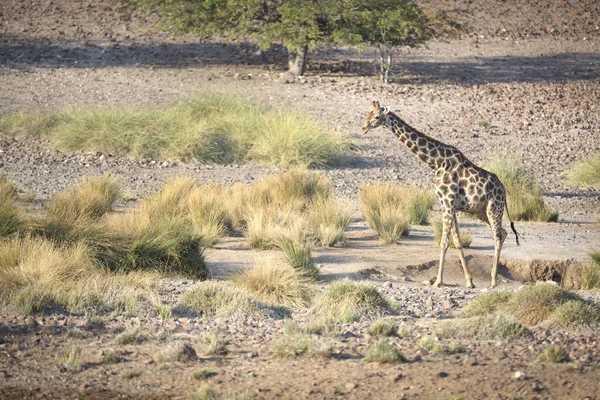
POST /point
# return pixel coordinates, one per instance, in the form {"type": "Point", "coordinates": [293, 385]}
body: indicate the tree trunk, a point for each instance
{"type": "Point", "coordinates": [385, 62]}
{"type": "Point", "coordinates": [297, 61]}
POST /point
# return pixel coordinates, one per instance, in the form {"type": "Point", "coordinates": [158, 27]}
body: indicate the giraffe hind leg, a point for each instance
{"type": "Point", "coordinates": [461, 255]}
{"type": "Point", "coordinates": [494, 215]}
{"type": "Point", "coordinates": [446, 226]}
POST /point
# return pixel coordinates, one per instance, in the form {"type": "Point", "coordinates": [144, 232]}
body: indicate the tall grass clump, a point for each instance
{"type": "Point", "coordinates": [208, 213]}
{"type": "Point", "coordinates": [590, 273]}
{"type": "Point", "coordinates": [168, 245]}
{"type": "Point", "coordinates": [90, 199]}
{"type": "Point", "coordinates": [12, 216]}
{"type": "Point", "coordinates": [214, 128]}
{"type": "Point", "coordinates": [275, 285]}
{"type": "Point", "coordinates": [297, 251]}
{"type": "Point", "coordinates": [464, 237]}
{"type": "Point", "coordinates": [300, 345]}
{"type": "Point", "coordinates": [348, 301]}
{"type": "Point", "coordinates": [525, 195]}
{"type": "Point", "coordinates": [382, 206]}
{"type": "Point", "coordinates": [586, 173]}
{"type": "Point", "coordinates": [37, 274]}
{"type": "Point", "coordinates": [328, 220]}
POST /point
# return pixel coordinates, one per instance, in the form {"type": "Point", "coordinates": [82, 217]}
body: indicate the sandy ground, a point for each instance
{"type": "Point", "coordinates": [536, 83]}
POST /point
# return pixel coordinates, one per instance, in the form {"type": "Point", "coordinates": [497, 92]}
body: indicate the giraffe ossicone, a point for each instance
{"type": "Point", "coordinates": [460, 185]}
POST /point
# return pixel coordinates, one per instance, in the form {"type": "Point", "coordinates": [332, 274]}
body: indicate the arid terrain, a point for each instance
{"type": "Point", "coordinates": [521, 83]}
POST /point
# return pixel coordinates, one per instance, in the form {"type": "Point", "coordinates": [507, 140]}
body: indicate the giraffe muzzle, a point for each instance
{"type": "Point", "coordinates": [365, 129]}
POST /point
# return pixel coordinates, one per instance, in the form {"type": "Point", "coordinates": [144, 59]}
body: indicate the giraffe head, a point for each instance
{"type": "Point", "coordinates": [375, 118]}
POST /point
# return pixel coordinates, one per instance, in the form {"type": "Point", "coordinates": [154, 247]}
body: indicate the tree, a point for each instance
{"type": "Point", "coordinates": [300, 25]}
{"type": "Point", "coordinates": [388, 24]}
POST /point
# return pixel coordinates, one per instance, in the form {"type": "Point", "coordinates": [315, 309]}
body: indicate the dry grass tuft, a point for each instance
{"type": "Point", "coordinates": [525, 196]}
{"type": "Point", "coordinates": [389, 209]}
{"type": "Point", "coordinates": [555, 354]}
{"type": "Point", "coordinates": [465, 237]}
{"type": "Point", "coordinates": [484, 327]}
{"type": "Point", "coordinates": [486, 304]}
{"type": "Point", "coordinates": [213, 344]}
{"type": "Point", "coordinates": [348, 301]}
{"type": "Point", "coordinates": [209, 215]}
{"type": "Point", "coordinates": [90, 199]}
{"type": "Point", "coordinates": [72, 359]}
{"type": "Point", "coordinates": [300, 345]}
{"type": "Point", "coordinates": [384, 352]}
{"type": "Point", "coordinates": [177, 351]}
{"type": "Point", "coordinates": [275, 285]}
{"type": "Point", "coordinates": [213, 298]}
{"type": "Point", "coordinates": [328, 220]}
{"type": "Point", "coordinates": [133, 336]}
{"type": "Point", "coordinates": [534, 304]}
{"type": "Point", "coordinates": [574, 313]}
{"type": "Point", "coordinates": [586, 173]}
{"type": "Point", "coordinates": [382, 327]}
{"type": "Point", "coordinates": [590, 274]}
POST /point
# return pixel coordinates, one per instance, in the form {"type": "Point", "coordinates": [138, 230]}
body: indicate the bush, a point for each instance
{"type": "Point", "coordinates": [464, 237]}
{"type": "Point", "coordinates": [590, 274]}
{"type": "Point", "coordinates": [525, 196]}
{"type": "Point", "coordinates": [574, 313]}
{"type": "Point", "coordinates": [215, 128]}
{"type": "Point", "coordinates": [586, 173]}
{"type": "Point", "coordinates": [348, 301]}
{"type": "Point", "coordinates": [275, 285]}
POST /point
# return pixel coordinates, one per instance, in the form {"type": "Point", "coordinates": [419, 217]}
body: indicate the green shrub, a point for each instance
{"type": "Point", "coordinates": [525, 196]}
{"type": "Point", "coordinates": [383, 327]}
{"type": "Point", "coordinates": [482, 327]}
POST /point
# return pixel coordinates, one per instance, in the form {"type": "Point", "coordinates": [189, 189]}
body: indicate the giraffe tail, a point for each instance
{"type": "Point", "coordinates": [512, 225]}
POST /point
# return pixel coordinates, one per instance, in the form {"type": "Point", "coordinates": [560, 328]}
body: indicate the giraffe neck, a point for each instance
{"type": "Point", "coordinates": [429, 150]}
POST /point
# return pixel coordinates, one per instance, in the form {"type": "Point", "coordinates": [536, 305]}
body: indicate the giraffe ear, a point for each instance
{"type": "Point", "coordinates": [375, 106]}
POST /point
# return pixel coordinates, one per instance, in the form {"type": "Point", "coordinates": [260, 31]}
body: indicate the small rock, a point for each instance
{"type": "Point", "coordinates": [442, 374]}
{"type": "Point", "coordinates": [519, 375]}
{"type": "Point", "coordinates": [387, 284]}
{"type": "Point", "coordinates": [350, 386]}
{"type": "Point", "coordinates": [397, 377]}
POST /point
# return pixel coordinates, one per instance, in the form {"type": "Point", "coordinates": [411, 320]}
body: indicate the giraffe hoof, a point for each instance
{"type": "Point", "coordinates": [470, 285]}
{"type": "Point", "coordinates": [438, 284]}
{"type": "Point", "coordinates": [493, 285]}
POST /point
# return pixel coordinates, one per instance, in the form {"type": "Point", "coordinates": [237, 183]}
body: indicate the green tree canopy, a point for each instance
{"type": "Point", "coordinates": [299, 25]}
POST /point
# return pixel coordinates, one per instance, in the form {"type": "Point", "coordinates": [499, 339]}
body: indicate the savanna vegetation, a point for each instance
{"type": "Point", "coordinates": [213, 128]}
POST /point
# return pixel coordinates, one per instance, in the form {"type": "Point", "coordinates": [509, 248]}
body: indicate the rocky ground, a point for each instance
{"type": "Point", "coordinates": [532, 75]}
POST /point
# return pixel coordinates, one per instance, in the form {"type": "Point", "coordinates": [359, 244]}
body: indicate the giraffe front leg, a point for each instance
{"type": "Point", "coordinates": [446, 225]}
{"type": "Point", "coordinates": [461, 254]}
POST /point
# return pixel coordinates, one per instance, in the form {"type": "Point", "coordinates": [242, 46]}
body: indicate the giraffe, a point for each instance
{"type": "Point", "coordinates": [460, 185]}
